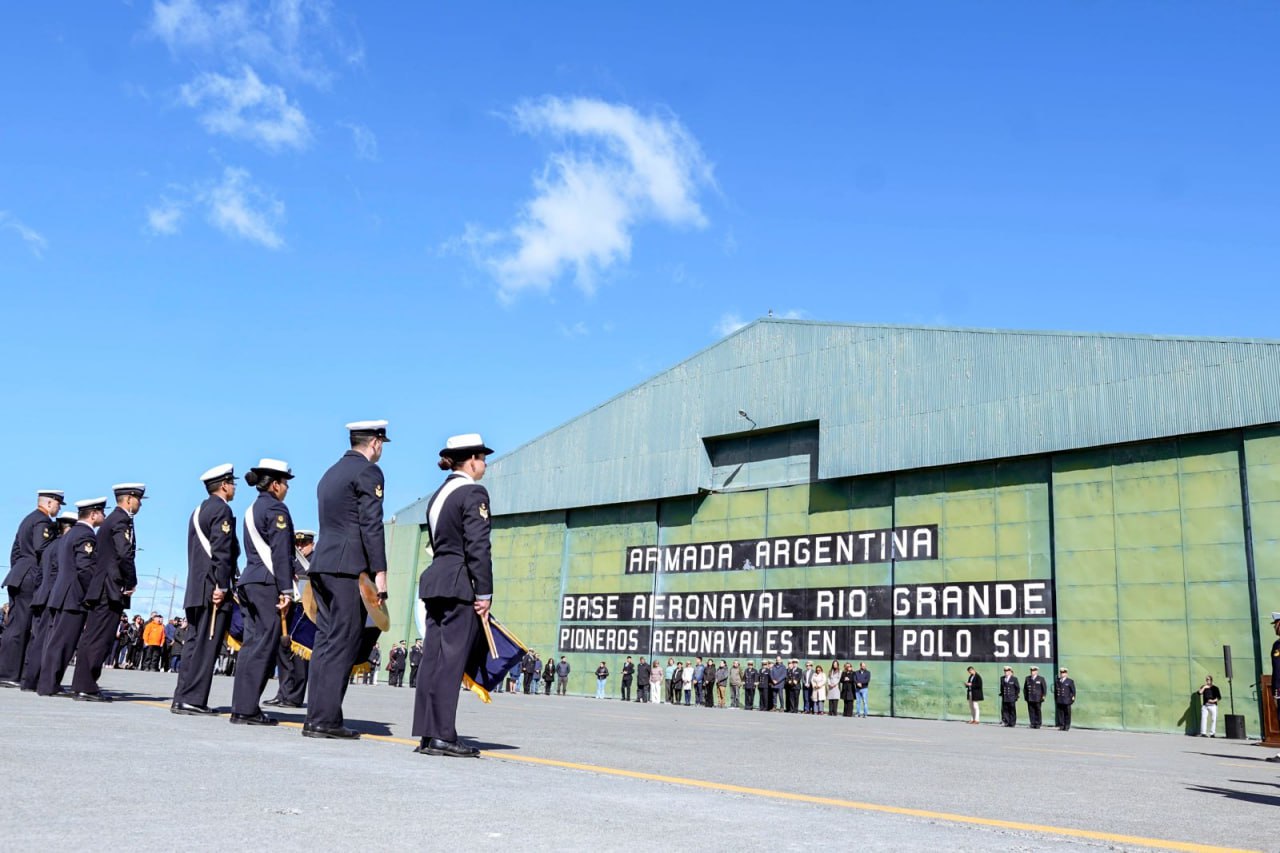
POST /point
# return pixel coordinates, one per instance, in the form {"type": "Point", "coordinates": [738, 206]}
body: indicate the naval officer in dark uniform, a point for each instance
{"type": "Point", "coordinates": [35, 532]}
{"type": "Point", "coordinates": [292, 667]}
{"type": "Point", "coordinates": [265, 591]}
{"type": "Point", "coordinates": [212, 552]}
{"type": "Point", "coordinates": [77, 564]}
{"type": "Point", "coordinates": [42, 616]}
{"type": "Point", "coordinates": [456, 590]}
{"type": "Point", "coordinates": [109, 589]}
{"type": "Point", "coordinates": [349, 503]}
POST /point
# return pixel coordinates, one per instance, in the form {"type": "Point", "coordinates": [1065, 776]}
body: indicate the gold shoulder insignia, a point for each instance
{"type": "Point", "coordinates": [88, 547]}
{"type": "Point", "coordinates": [128, 534]}
{"type": "Point", "coordinates": [377, 491]}
{"type": "Point", "coordinates": [46, 533]}
{"type": "Point", "coordinates": [280, 523]}
{"type": "Point", "coordinates": [226, 526]}
{"type": "Point", "coordinates": [484, 510]}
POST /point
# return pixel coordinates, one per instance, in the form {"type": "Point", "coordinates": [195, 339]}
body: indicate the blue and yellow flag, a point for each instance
{"type": "Point", "coordinates": [487, 667]}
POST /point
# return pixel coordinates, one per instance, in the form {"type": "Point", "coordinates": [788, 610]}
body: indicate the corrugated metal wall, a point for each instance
{"type": "Point", "coordinates": [890, 399]}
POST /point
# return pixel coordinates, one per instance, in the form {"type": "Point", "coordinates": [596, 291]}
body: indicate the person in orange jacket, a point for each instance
{"type": "Point", "coordinates": [153, 643]}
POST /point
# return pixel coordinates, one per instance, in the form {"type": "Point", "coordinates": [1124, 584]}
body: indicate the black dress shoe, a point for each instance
{"type": "Point", "coordinates": [435, 746]}
{"type": "Point", "coordinates": [7, 683]}
{"type": "Point", "coordinates": [335, 732]}
{"type": "Point", "coordinates": [191, 710]}
{"type": "Point", "coordinates": [277, 702]}
{"type": "Point", "coordinates": [91, 697]}
{"type": "Point", "coordinates": [258, 719]}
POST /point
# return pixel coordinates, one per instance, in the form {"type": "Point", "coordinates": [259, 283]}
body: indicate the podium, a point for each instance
{"type": "Point", "coordinates": [1270, 724]}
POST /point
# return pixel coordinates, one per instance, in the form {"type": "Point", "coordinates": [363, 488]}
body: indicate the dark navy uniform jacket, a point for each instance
{"type": "Point", "coordinates": [204, 572]}
{"type": "Point", "coordinates": [116, 570]}
{"type": "Point", "coordinates": [48, 571]}
{"type": "Point", "coordinates": [275, 526]}
{"type": "Point", "coordinates": [77, 565]}
{"type": "Point", "coordinates": [462, 564]}
{"type": "Point", "coordinates": [35, 532]}
{"type": "Point", "coordinates": [349, 498]}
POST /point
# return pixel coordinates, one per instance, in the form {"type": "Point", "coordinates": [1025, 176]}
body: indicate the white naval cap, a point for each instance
{"type": "Point", "coordinates": [68, 515]}
{"type": "Point", "coordinates": [304, 534]}
{"type": "Point", "coordinates": [134, 490]}
{"type": "Point", "coordinates": [56, 494]}
{"type": "Point", "coordinates": [376, 429]}
{"type": "Point", "coordinates": [1275, 617]}
{"type": "Point", "coordinates": [91, 503]}
{"type": "Point", "coordinates": [277, 467]}
{"type": "Point", "coordinates": [467, 444]}
{"type": "Point", "coordinates": [225, 471]}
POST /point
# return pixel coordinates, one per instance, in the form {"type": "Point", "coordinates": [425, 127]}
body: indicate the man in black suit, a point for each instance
{"type": "Point", "coordinates": [1064, 696]}
{"type": "Point", "coordinates": [349, 498]}
{"type": "Point", "coordinates": [1009, 692]}
{"type": "Point", "coordinates": [108, 592]}
{"type": "Point", "coordinates": [456, 590]}
{"type": "Point", "coordinates": [212, 551]}
{"type": "Point", "coordinates": [35, 532]}
{"type": "Point", "coordinates": [1034, 689]}
{"type": "Point", "coordinates": [415, 661]}
{"type": "Point", "coordinates": [77, 564]}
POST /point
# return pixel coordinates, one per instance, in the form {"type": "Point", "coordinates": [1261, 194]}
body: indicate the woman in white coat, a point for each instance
{"type": "Point", "coordinates": [818, 686]}
{"type": "Point", "coordinates": [833, 689]}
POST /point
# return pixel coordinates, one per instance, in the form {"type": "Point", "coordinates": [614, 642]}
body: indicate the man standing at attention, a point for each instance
{"type": "Point", "coordinates": [349, 503]}
{"type": "Point", "coordinates": [1064, 694]}
{"type": "Point", "coordinates": [1034, 689]}
{"type": "Point", "coordinates": [456, 590]}
{"type": "Point", "coordinates": [213, 548]}
{"type": "Point", "coordinates": [1009, 698]}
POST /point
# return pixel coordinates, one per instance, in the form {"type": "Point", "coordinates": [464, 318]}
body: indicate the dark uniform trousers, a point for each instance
{"type": "Point", "coordinates": [1033, 712]}
{"type": "Point", "coordinates": [17, 629]}
{"type": "Point", "coordinates": [451, 631]}
{"type": "Point", "coordinates": [35, 648]}
{"type": "Point", "coordinates": [200, 653]}
{"type": "Point", "coordinates": [749, 697]}
{"type": "Point", "coordinates": [257, 657]}
{"type": "Point", "coordinates": [64, 633]}
{"type": "Point", "coordinates": [339, 622]}
{"type": "Point", "coordinates": [292, 669]}
{"type": "Point", "coordinates": [413, 674]}
{"type": "Point", "coordinates": [100, 626]}
{"type": "Point", "coordinates": [1062, 717]}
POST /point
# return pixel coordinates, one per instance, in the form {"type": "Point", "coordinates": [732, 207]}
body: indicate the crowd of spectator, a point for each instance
{"type": "Point", "coordinates": [787, 687]}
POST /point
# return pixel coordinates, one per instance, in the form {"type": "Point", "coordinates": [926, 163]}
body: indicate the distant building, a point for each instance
{"type": "Point", "coordinates": [920, 499]}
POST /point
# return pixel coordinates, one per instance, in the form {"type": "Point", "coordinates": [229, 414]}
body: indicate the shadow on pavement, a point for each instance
{"type": "Point", "coordinates": [1232, 794]}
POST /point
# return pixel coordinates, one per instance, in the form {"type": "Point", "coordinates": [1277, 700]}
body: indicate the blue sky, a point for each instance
{"type": "Point", "coordinates": [227, 228]}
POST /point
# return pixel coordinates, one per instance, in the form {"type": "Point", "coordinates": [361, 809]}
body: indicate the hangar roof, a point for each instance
{"type": "Point", "coordinates": [889, 398]}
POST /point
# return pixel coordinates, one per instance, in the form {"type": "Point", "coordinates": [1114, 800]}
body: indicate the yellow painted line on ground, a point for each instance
{"type": "Point", "coordinates": [1071, 751]}
{"type": "Point", "coordinates": [1158, 843]}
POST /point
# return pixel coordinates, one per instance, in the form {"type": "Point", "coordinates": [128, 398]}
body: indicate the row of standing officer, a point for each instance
{"type": "Point", "coordinates": [69, 582]}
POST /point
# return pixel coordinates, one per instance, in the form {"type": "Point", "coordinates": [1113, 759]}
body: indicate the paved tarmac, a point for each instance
{"type": "Point", "coordinates": [576, 773]}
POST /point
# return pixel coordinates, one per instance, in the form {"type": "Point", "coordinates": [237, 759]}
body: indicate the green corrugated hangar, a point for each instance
{"type": "Point", "coordinates": [918, 499]}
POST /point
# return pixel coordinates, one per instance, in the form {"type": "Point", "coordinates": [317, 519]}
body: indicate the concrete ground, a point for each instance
{"type": "Point", "coordinates": [580, 773]}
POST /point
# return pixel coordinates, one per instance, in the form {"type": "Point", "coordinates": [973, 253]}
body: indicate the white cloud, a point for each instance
{"type": "Point", "coordinates": [729, 323]}
{"type": "Point", "coordinates": [247, 108]}
{"type": "Point", "coordinates": [35, 240]}
{"type": "Point", "coordinates": [236, 206]}
{"type": "Point", "coordinates": [364, 140]}
{"type": "Point", "coordinates": [165, 219]}
{"type": "Point", "coordinates": [615, 168]}
{"type": "Point", "coordinates": [294, 38]}
{"type": "Point", "coordinates": [577, 330]}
